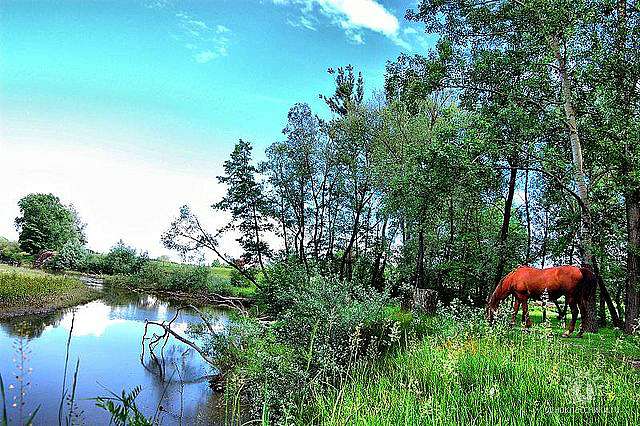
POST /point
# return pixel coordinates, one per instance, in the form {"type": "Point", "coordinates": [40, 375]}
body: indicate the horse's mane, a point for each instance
{"type": "Point", "coordinates": [494, 295]}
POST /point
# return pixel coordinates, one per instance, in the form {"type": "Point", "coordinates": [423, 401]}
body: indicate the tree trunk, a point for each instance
{"type": "Point", "coordinates": [419, 280]}
{"type": "Point", "coordinates": [589, 319]}
{"type": "Point", "coordinates": [377, 274]}
{"type": "Point", "coordinates": [528, 213]}
{"type": "Point", "coordinates": [632, 299]}
{"type": "Point", "coordinates": [504, 230]}
{"type": "Point", "coordinates": [258, 243]}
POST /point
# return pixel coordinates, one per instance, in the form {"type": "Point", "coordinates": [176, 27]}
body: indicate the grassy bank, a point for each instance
{"type": "Point", "coordinates": [158, 275]}
{"type": "Point", "coordinates": [467, 373]}
{"type": "Point", "coordinates": [26, 291]}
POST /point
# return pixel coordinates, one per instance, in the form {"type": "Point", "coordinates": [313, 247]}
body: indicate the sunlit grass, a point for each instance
{"type": "Point", "coordinates": [471, 374]}
{"type": "Point", "coordinates": [25, 290]}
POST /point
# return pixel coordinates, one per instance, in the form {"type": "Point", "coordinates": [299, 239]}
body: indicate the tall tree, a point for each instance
{"type": "Point", "coordinates": [47, 224]}
{"type": "Point", "coordinates": [524, 34]}
{"type": "Point", "coordinates": [245, 201]}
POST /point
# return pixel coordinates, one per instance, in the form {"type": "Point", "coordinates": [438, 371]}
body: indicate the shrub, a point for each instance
{"type": "Point", "coordinates": [10, 252]}
{"type": "Point", "coordinates": [286, 280]}
{"type": "Point", "coordinates": [323, 327]}
{"type": "Point", "coordinates": [72, 255]}
{"type": "Point", "coordinates": [188, 278]}
{"type": "Point", "coordinates": [123, 259]}
{"type": "Point", "coordinates": [94, 263]}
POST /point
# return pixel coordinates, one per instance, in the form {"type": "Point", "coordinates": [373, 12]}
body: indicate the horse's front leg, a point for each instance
{"type": "Point", "coordinates": [574, 316]}
{"type": "Point", "coordinates": [516, 307]}
{"type": "Point", "coordinates": [525, 313]}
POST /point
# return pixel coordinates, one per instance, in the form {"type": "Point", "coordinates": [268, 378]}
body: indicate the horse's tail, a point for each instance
{"type": "Point", "coordinates": [588, 284]}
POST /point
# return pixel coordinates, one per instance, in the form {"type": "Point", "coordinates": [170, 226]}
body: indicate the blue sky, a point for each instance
{"type": "Point", "coordinates": [105, 90]}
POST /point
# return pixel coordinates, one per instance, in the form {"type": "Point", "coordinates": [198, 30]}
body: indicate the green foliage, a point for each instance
{"type": "Point", "coordinates": [10, 252]}
{"type": "Point", "coordinates": [123, 408]}
{"type": "Point", "coordinates": [94, 263]}
{"type": "Point", "coordinates": [26, 290]}
{"type": "Point", "coordinates": [246, 203]}
{"type": "Point", "coordinates": [19, 284]}
{"type": "Point", "coordinates": [195, 279]}
{"type": "Point", "coordinates": [286, 280]}
{"type": "Point", "coordinates": [187, 278]}
{"type": "Point", "coordinates": [123, 259]}
{"type": "Point", "coordinates": [465, 372]}
{"type": "Point", "coordinates": [72, 256]}
{"type": "Point", "coordinates": [323, 327]}
{"type": "Point", "coordinates": [46, 224]}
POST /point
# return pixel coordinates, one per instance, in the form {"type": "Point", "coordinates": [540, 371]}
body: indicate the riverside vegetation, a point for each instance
{"type": "Point", "coordinates": [513, 141]}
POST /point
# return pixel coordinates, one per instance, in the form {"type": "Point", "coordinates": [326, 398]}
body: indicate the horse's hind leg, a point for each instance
{"type": "Point", "coordinates": [574, 316]}
{"type": "Point", "coordinates": [583, 308]}
{"type": "Point", "coordinates": [516, 307]}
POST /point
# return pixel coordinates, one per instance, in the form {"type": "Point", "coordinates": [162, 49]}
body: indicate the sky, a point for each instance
{"type": "Point", "coordinates": [128, 109]}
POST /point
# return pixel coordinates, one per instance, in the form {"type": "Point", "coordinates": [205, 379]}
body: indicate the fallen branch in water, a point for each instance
{"type": "Point", "coordinates": [152, 342]}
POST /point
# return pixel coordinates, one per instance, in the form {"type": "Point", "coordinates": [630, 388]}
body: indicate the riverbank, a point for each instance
{"type": "Point", "coordinates": [26, 291]}
{"type": "Point", "coordinates": [214, 285]}
{"type": "Point", "coordinates": [463, 372]}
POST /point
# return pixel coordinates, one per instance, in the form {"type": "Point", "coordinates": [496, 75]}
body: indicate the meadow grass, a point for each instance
{"type": "Point", "coordinates": [26, 291]}
{"type": "Point", "coordinates": [166, 275]}
{"type": "Point", "coordinates": [464, 372]}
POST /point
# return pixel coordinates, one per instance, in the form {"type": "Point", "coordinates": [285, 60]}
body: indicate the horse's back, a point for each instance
{"type": "Point", "coordinates": [535, 281]}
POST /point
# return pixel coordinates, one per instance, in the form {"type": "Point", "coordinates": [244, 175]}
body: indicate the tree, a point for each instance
{"type": "Point", "coordinates": [529, 38]}
{"type": "Point", "coordinates": [613, 81]}
{"type": "Point", "coordinates": [47, 224]}
{"type": "Point", "coordinates": [248, 207]}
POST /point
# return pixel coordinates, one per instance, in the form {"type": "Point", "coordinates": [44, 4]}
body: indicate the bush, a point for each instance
{"type": "Point", "coordinates": [286, 280]}
{"type": "Point", "coordinates": [188, 278]}
{"type": "Point", "coordinates": [123, 259]}
{"type": "Point", "coordinates": [323, 328]}
{"type": "Point", "coordinates": [11, 253]}
{"type": "Point", "coordinates": [94, 263]}
{"type": "Point", "coordinates": [72, 255]}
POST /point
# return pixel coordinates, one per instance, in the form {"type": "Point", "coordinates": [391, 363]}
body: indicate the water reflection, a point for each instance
{"type": "Point", "coordinates": [106, 338]}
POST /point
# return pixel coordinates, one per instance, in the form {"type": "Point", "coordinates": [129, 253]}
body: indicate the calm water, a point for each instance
{"type": "Point", "coordinates": [106, 338]}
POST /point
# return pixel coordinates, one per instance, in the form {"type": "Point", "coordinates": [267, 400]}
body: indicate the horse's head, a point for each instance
{"type": "Point", "coordinates": [499, 294]}
{"type": "Point", "coordinates": [492, 308]}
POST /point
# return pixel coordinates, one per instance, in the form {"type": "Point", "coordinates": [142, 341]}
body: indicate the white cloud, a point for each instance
{"type": "Point", "coordinates": [352, 16]}
{"type": "Point", "coordinates": [204, 57]}
{"type": "Point", "coordinates": [303, 22]}
{"type": "Point", "coordinates": [354, 36]}
{"type": "Point", "coordinates": [361, 14]}
{"type": "Point", "coordinates": [210, 41]}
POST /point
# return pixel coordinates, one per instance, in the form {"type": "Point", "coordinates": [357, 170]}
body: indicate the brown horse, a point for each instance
{"type": "Point", "coordinates": [525, 282]}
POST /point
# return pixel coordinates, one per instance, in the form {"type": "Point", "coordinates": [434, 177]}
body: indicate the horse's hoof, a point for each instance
{"type": "Point", "coordinates": [566, 334]}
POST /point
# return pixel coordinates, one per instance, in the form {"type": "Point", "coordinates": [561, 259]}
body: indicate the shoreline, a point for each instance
{"type": "Point", "coordinates": [64, 301]}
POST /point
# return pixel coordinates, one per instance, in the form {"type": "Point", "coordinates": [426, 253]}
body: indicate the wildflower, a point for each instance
{"type": "Point", "coordinates": [493, 391]}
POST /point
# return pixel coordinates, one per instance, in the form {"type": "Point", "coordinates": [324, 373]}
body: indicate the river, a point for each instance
{"type": "Point", "coordinates": [106, 339]}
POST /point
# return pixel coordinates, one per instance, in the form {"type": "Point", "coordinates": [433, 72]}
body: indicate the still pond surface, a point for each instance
{"type": "Point", "coordinates": [106, 339]}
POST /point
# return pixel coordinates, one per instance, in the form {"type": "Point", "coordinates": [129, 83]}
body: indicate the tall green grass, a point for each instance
{"type": "Point", "coordinates": [467, 373]}
{"type": "Point", "coordinates": [27, 290]}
